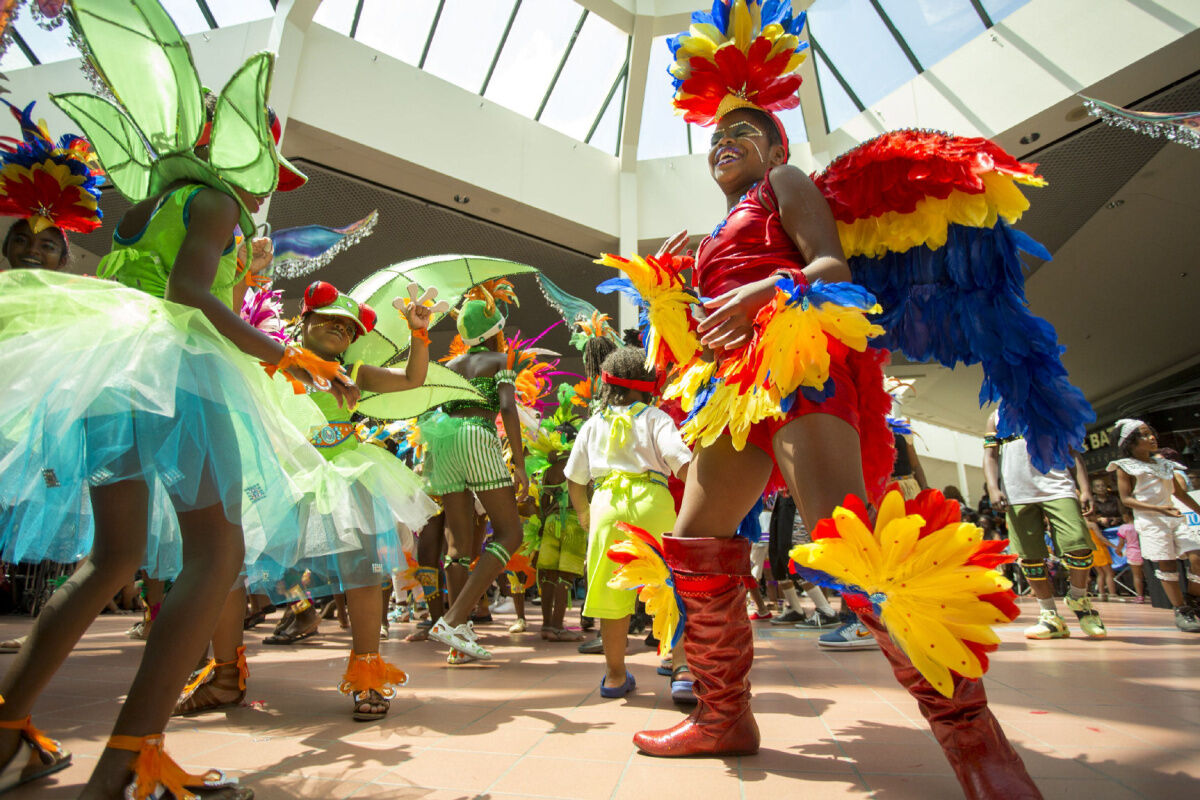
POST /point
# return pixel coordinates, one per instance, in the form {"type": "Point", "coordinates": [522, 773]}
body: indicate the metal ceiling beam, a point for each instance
{"type": "Point", "coordinates": [437, 15]}
{"type": "Point", "coordinates": [612, 90]}
{"type": "Point", "coordinates": [635, 92]}
{"type": "Point", "coordinates": [499, 47]}
{"type": "Point", "coordinates": [833, 70]}
{"type": "Point", "coordinates": [983, 14]}
{"type": "Point", "coordinates": [357, 15]}
{"type": "Point", "coordinates": [561, 63]}
{"type": "Point", "coordinates": [618, 13]}
{"type": "Point", "coordinates": [208, 15]}
{"type": "Point", "coordinates": [24, 47]}
{"type": "Point", "coordinates": [887, 21]}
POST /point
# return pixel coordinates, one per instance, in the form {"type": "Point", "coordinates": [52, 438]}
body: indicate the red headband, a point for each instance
{"type": "Point", "coordinates": [625, 383]}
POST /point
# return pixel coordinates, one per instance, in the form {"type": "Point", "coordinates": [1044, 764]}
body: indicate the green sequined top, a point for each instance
{"type": "Point", "coordinates": [143, 261]}
{"type": "Point", "coordinates": [486, 385]}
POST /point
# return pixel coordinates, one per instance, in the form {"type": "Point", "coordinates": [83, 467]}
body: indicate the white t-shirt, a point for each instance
{"type": "Point", "coordinates": [652, 443]}
{"type": "Point", "coordinates": [1023, 484]}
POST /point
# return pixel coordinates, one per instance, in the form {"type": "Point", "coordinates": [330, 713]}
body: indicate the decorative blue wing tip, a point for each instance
{"type": "Point", "coordinates": [964, 304]}
{"type": "Point", "coordinates": [900, 425]}
{"type": "Point", "coordinates": [840, 293]}
{"type": "Point", "coordinates": [825, 580]}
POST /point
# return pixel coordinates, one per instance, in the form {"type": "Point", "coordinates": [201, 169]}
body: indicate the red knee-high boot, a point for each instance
{"type": "Point", "coordinates": [719, 644]}
{"type": "Point", "coordinates": [987, 766]}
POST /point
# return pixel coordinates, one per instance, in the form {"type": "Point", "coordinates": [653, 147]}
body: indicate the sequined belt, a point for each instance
{"type": "Point", "coordinates": [333, 434]}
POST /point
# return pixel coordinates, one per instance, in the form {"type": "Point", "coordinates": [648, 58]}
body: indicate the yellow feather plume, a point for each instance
{"type": "Point", "coordinates": [932, 599]}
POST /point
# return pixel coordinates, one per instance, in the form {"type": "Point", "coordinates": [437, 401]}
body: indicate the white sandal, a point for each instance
{"type": "Point", "coordinates": [461, 638]}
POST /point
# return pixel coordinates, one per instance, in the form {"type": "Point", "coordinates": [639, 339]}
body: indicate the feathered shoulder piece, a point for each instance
{"type": "Point", "coordinates": [925, 219]}
{"type": "Point", "coordinates": [50, 183]}
{"type": "Point", "coordinates": [657, 287]}
{"type": "Point", "coordinates": [906, 188]}
{"type": "Point", "coordinates": [741, 54]}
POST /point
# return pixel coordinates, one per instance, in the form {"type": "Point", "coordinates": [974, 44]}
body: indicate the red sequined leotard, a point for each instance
{"type": "Point", "coordinates": [752, 244]}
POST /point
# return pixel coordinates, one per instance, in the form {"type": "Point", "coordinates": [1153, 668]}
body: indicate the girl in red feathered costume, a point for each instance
{"type": "Point", "coordinates": [827, 444]}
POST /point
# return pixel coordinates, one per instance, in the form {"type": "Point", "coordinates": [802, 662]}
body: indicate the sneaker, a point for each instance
{"type": "Point", "coordinates": [505, 606]}
{"type": "Point", "coordinates": [1186, 621]}
{"type": "Point", "coordinates": [138, 631]}
{"type": "Point", "coordinates": [756, 615]}
{"type": "Point", "coordinates": [1049, 626]}
{"type": "Point", "coordinates": [461, 638]}
{"type": "Point", "coordinates": [819, 619]}
{"type": "Point", "coordinates": [517, 627]}
{"type": "Point", "coordinates": [789, 618]}
{"type": "Point", "coordinates": [1089, 618]}
{"type": "Point", "coordinates": [851, 636]}
{"type": "Point", "coordinates": [1141, 598]}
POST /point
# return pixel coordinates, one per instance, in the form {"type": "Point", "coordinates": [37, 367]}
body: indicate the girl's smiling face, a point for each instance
{"type": "Point", "coordinates": [26, 250]}
{"type": "Point", "coordinates": [740, 150]}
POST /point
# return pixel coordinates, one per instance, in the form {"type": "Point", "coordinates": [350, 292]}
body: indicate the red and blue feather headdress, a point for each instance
{"type": "Point", "coordinates": [48, 182]}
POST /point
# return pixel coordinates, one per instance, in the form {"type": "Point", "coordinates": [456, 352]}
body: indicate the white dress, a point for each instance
{"type": "Point", "coordinates": [1163, 537]}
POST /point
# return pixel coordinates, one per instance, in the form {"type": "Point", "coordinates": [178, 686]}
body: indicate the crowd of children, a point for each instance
{"type": "Point", "coordinates": [163, 431]}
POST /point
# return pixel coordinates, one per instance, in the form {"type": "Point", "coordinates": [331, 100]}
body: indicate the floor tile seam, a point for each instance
{"type": "Point", "coordinates": [853, 766]}
{"type": "Point", "coordinates": [621, 777]}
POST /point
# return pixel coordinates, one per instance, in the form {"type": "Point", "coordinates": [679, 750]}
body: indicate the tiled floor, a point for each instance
{"type": "Point", "coordinates": [1093, 719]}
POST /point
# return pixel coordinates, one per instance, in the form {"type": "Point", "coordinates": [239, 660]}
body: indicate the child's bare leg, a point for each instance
{"type": "Point", "coordinates": [615, 635]}
{"type": "Point", "coordinates": [501, 507]}
{"type": "Point", "coordinates": [1139, 580]}
{"type": "Point", "coordinates": [546, 589]}
{"type": "Point", "coordinates": [431, 543]}
{"type": "Point", "coordinates": [1193, 578]}
{"type": "Point", "coordinates": [460, 536]}
{"type": "Point", "coordinates": [212, 556]}
{"type": "Point", "coordinates": [120, 541]}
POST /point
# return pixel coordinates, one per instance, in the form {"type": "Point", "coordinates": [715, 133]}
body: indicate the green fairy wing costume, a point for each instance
{"type": "Point", "coordinates": [147, 134]}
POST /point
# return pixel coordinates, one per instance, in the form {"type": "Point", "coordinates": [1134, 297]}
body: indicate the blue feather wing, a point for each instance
{"type": "Point", "coordinates": [964, 303]}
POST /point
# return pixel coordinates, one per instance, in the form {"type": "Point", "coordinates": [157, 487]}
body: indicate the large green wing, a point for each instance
{"type": "Point", "coordinates": [441, 385]}
{"type": "Point", "coordinates": [143, 58]}
{"type": "Point", "coordinates": [451, 275]}
{"type": "Point", "coordinates": [118, 145]}
{"type": "Point", "coordinates": [242, 150]}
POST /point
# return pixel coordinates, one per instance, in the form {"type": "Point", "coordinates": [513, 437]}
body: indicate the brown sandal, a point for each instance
{"type": "Point", "coordinates": [36, 757]}
{"type": "Point", "coordinates": [368, 680]}
{"type": "Point", "coordinates": [201, 695]}
{"type": "Point", "coordinates": [364, 701]}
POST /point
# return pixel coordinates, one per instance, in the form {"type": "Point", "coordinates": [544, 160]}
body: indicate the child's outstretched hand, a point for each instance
{"type": "Point", "coordinates": [730, 322]}
{"type": "Point", "coordinates": [420, 306]}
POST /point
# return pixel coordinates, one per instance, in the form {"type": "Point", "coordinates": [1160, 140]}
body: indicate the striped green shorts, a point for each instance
{"type": "Point", "coordinates": [469, 459]}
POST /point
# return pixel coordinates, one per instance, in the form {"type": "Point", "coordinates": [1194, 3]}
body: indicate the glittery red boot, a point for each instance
{"type": "Point", "coordinates": [985, 763]}
{"type": "Point", "coordinates": [719, 644]}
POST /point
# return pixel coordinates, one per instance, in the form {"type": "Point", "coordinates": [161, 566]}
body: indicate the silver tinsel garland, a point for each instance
{"type": "Point", "coordinates": [286, 268]}
{"type": "Point", "coordinates": [1158, 129]}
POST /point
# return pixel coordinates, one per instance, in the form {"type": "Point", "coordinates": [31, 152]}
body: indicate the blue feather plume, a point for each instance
{"type": "Point", "coordinates": [964, 303]}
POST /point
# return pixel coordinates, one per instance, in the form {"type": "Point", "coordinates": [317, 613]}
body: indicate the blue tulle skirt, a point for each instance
{"type": "Point", "coordinates": [106, 384]}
